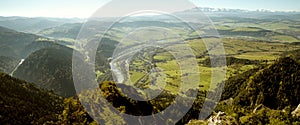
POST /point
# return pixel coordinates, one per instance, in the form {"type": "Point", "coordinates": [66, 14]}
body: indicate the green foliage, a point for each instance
{"type": "Point", "coordinates": [105, 50]}
{"type": "Point", "coordinates": [264, 95]}
{"type": "Point", "coordinates": [274, 86]}
{"type": "Point", "coordinates": [23, 103]}
{"type": "Point", "coordinates": [218, 61]}
{"type": "Point", "coordinates": [121, 102]}
{"type": "Point", "coordinates": [235, 84]}
{"type": "Point", "coordinates": [73, 113]}
{"type": "Point", "coordinates": [50, 69]}
{"type": "Point", "coordinates": [7, 64]}
{"type": "Point", "coordinates": [37, 106]}
{"type": "Point", "coordinates": [294, 54]}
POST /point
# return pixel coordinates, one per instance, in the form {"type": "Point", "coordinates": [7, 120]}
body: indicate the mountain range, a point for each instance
{"type": "Point", "coordinates": [41, 56]}
{"type": "Point", "coordinates": [36, 78]}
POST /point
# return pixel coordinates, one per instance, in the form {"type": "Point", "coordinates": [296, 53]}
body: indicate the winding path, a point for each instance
{"type": "Point", "coordinates": [20, 63]}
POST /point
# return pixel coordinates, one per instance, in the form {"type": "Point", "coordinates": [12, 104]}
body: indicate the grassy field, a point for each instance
{"type": "Point", "coordinates": [171, 73]}
{"type": "Point", "coordinates": [262, 41]}
{"type": "Point", "coordinates": [284, 38]}
{"type": "Point", "coordinates": [273, 31]}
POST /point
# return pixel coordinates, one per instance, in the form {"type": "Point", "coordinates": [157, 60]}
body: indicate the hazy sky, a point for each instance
{"type": "Point", "coordinates": [85, 8]}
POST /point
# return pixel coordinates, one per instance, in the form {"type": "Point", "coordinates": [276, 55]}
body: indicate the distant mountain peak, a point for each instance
{"type": "Point", "coordinates": [210, 9]}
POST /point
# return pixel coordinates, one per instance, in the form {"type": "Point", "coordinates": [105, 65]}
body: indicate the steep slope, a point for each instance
{"type": "Point", "coordinates": [265, 95]}
{"type": "Point", "coordinates": [234, 85]}
{"type": "Point", "coordinates": [15, 46]}
{"type": "Point", "coordinates": [49, 68]}
{"type": "Point", "coordinates": [40, 44]}
{"type": "Point", "coordinates": [105, 50]}
{"type": "Point", "coordinates": [47, 63]}
{"type": "Point", "coordinates": [12, 44]}
{"type": "Point", "coordinates": [7, 64]}
{"type": "Point", "coordinates": [18, 44]}
{"type": "Point", "coordinates": [276, 86]}
{"type": "Point", "coordinates": [295, 54]}
{"type": "Point", "coordinates": [14, 41]}
{"type": "Point", "coordinates": [22, 103]}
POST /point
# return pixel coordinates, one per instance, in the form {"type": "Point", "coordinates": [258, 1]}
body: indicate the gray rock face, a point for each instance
{"type": "Point", "coordinates": [296, 112]}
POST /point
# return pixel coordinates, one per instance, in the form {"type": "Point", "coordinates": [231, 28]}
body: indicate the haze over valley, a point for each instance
{"type": "Point", "coordinates": [229, 66]}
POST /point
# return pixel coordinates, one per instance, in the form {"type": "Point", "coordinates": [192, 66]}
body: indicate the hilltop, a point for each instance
{"type": "Point", "coordinates": [49, 68]}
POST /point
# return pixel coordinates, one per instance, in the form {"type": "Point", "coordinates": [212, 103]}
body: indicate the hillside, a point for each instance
{"type": "Point", "coordinates": [265, 95]}
{"type": "Point", "coordinates": [23, 103]}
{"type": "Point", "coordinates": [49, 68]}
{"type": "Point", "coordinates": [295, 54]}
{"type": "Point", "coordinates": [47, 63]}
{"type": "Point", "coordinates": [62, 31]}
{"type": "Point", "coordinates": [274, 87]}
{"type": "Point", "coordinates": [262, 82]}
{"type": "Point", "coordinates": [114, 95]}
{"type": "Point", "coordinates": [18, 44]}
{"type": "Point", "coordinates": [15, 46]}
{"type": "Point", "coordinates": [7, 64]}
{"type": "Point", "coordinates": [14, 41]}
